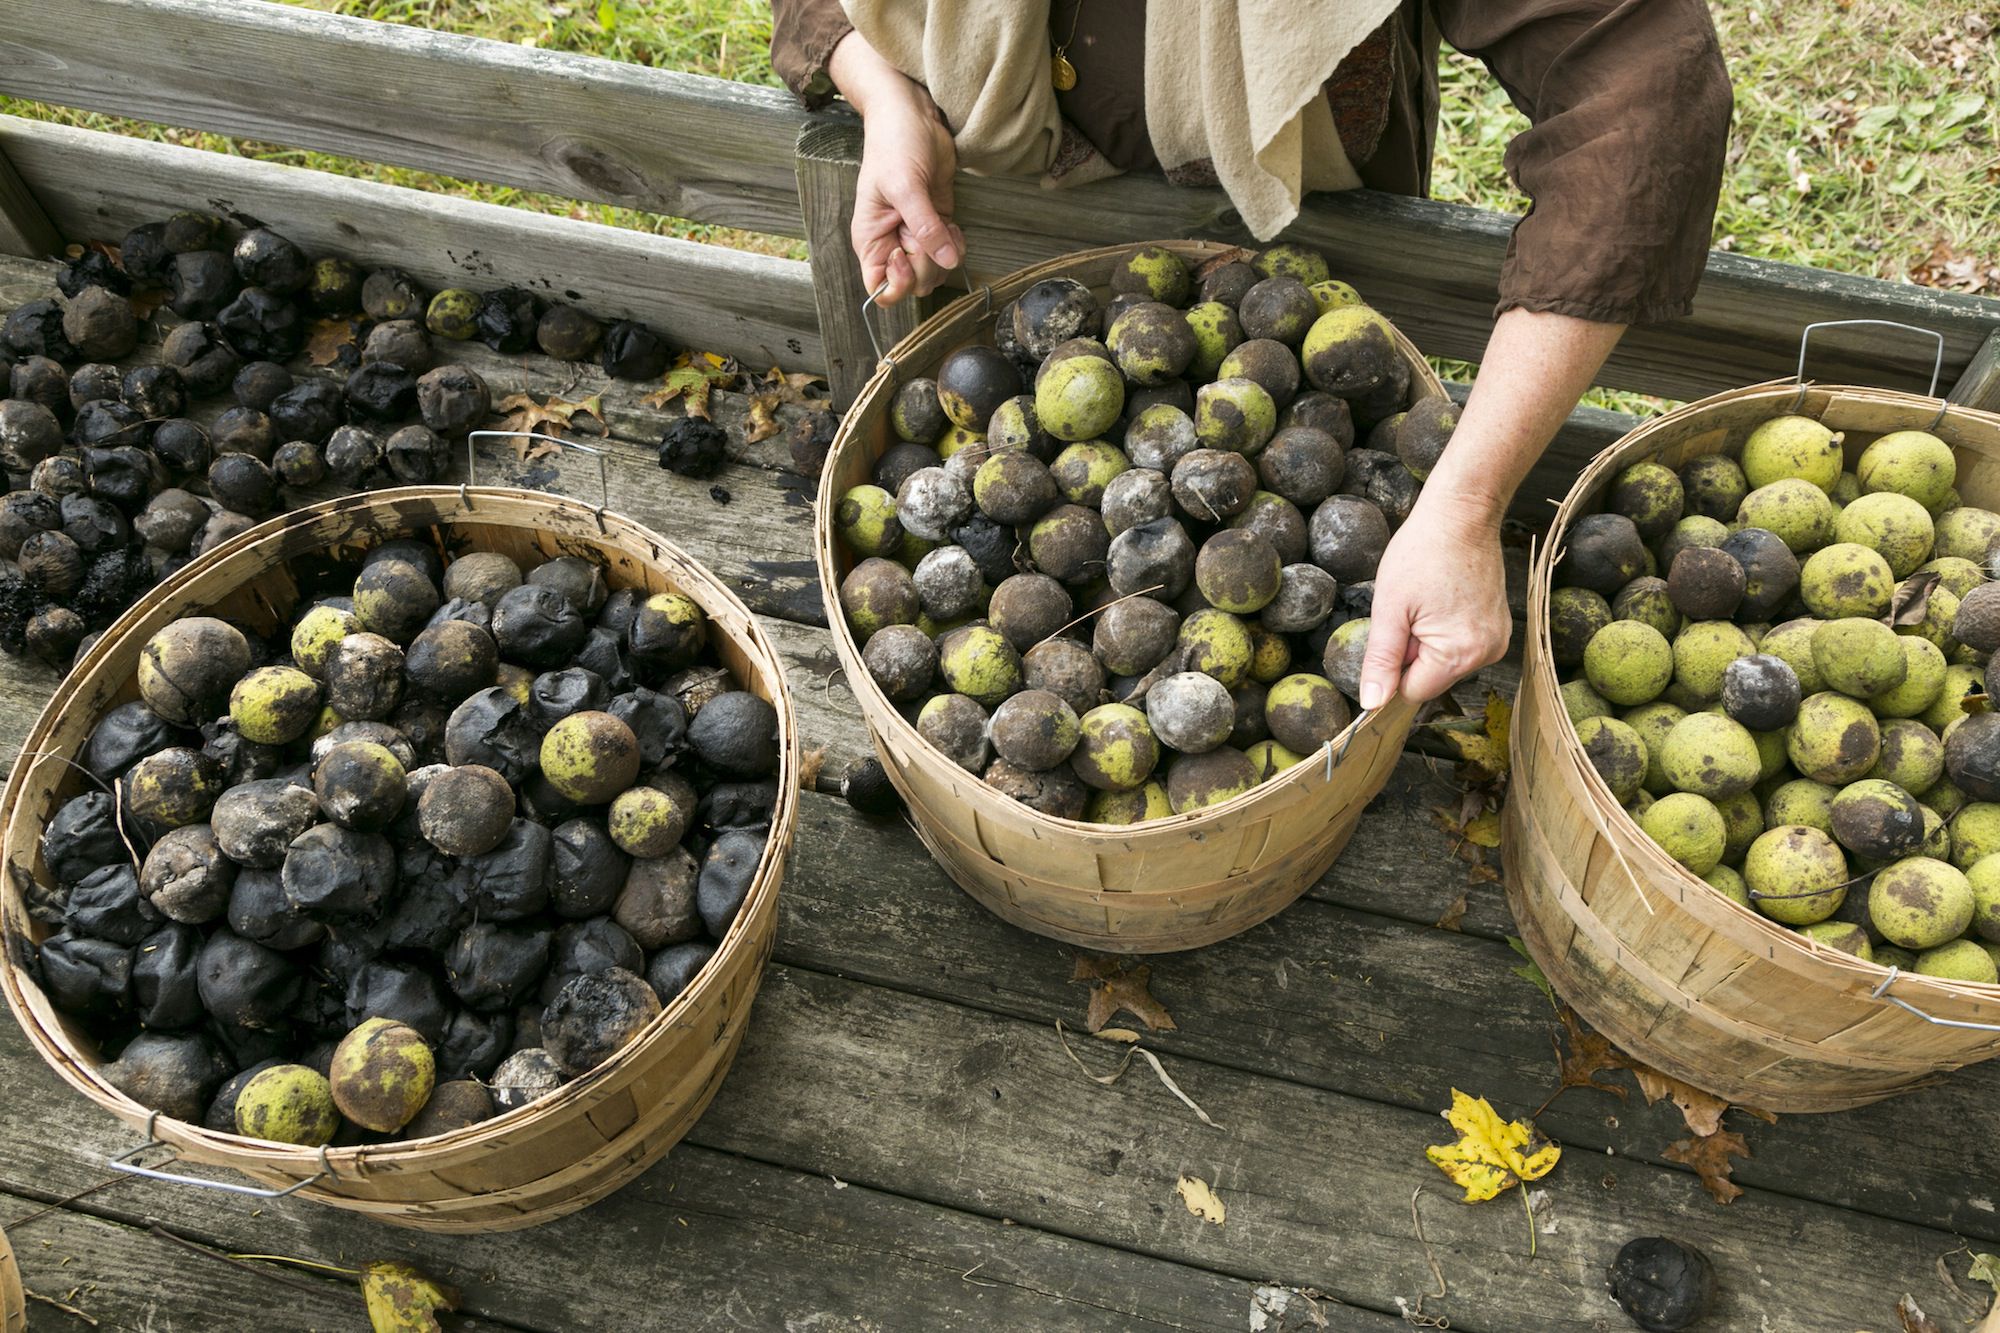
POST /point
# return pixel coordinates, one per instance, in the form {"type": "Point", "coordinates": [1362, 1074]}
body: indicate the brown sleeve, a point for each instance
{"type": "Point", "coordinates": [1629, 103]}
{"type": "Point", "coordinates": [803, 35]}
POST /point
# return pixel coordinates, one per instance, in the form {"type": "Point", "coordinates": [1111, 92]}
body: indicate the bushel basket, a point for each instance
{"type": "Point", "coordinates": [1676, 973]}
{"type": "Point", "coordinates": [564, 1150]}
{"type": "Point", "coordinates": [1174, 883]}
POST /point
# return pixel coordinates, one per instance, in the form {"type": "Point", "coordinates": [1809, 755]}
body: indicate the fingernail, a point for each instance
{"type": "Point", "coordinates": [948, 256]}
{"type": "Point", "coordinates": [1371, 695]}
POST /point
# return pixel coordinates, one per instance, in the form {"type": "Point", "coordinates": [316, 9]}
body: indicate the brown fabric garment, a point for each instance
{"type": "Point", "coordinates": [1629, 104]}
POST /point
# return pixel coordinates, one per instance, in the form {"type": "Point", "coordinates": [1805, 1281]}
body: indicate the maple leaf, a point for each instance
{"type": "Point", "coordinates": [1118, 986]}
{"type": "Point", "coordinates": [692, 378]}
{"type": "Point", "coordinates": [1453, 915]}
{"type": "Point", "coordinates": [554, 416]}
{"type": "Point", "coordinates": [403, 1299]}
{"type": "Point", "coordinates": [1588, 1055]}
{"type": "Point", "coordinates": [1709, 1156]}
{"type": "Point", "coordinates": [328, 338]}
{"type": "Point", "coordinates": [1490, 1154]}
{"type": "Point", "coordinates": [1481, 742]}
{"type": "Point", "coordinates": [1201, 1200]}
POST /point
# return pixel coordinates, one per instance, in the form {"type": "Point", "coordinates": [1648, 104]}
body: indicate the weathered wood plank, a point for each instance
{"type": "Point", "coordinates": [24, 228]}
{"type": "Point", "coordinates": [1978, 385]}
{"type": "Point", "coordinates": [1355, 1002]}
{"type": "Point", "coordinates": [970, 1107]}
{"type": "Point", "coordinates": [123, 1276]}
{"type": "Point", "coordinates": [705, 1239]}
{"type": "Point", "coordinates": [751, 306]}
{"type": "Point", "coordinates": [1434, 269]}
{"type": "Point", "coordinates": [570, 125]}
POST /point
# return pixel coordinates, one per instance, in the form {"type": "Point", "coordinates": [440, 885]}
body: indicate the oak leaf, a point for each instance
{"type": "Point", "coordinates": [802, 387]}
{"type": "Point", "coordinates": [693, 376]}
{"type": "Point", "coordinates": [1490, 1154]}
{"type": "Point", "coordinates": [1702, 1110]}
{"type": "Point", "coordinates": [554, 416]}
{"type": "Point", "coordinates": [1453, 915]}
{"type": "Point", "coordinates": [762, 422]}
{"type": "Point", "coordinates": [1588, 1054]}
{"type": "Point", "coordinates": [1709, 1156]}
{"type": "Point", "coordinates": [1120, 986]}
{"type": "Point", "coordinates": [403, 1299]}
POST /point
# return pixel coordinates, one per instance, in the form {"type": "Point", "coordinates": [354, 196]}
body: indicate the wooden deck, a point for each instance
{"type": "Point", "coordinates": [905, 1144]}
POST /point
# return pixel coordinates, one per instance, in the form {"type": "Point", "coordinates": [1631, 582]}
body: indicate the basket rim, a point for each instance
{"type": "Point", "coordinates": [1658, 865]}
{"type": "Point", "coordinates": [825, 550]}
{"type": "Point", "coordinates": [352, 1162]}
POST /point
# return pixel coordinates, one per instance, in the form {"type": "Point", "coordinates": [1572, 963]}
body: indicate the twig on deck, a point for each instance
{"type": "Point", "coordinates": [53, 1303]}
{"type": "Point", "coordinates": [85, 1192]}
{"type": "Point", "coordinates": [1415, 1315]}
{"type": "Point", "coordinates": [233, 1262]}
{"type": "Point", "coordinates": [1108, 1079]}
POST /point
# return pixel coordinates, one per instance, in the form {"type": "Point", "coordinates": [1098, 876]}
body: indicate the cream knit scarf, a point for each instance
{"type": "Point", "coordinates": [1234, 82]}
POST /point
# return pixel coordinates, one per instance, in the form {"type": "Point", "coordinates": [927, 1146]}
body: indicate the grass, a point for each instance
{"type": "Point", "coordinates": [1863, 142]}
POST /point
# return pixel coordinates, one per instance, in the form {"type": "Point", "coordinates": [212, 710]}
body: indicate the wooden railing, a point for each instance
{"type": "Point", "coordinates": [747, 157]}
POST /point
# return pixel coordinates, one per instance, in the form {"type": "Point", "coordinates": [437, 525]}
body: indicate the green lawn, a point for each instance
{"type": "Point", "coordinates": [1863, 142]}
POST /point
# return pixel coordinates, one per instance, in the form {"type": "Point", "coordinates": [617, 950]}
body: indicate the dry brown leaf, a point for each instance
{"type": "Point", "coordinates": [1236, 256]}
{"type": "Point", "coordinates": [1709, 1156]}
{"type": "Point", "coordinates": [328, 337]}
{"type": "Point", "coordinates": [1118, 985]}
{"type": "Point", "coordinates": [1588, 1055]}
{"type": "Point", "coordinates": [802, 387]}
{"type": "Point", "coordinates": [1912, 601]}
{"type": "Point", "coordinates": [762, 423]}
{"type": "Point", "coordinates": [1702, 1110]}
{"type": "Point", "coordinates": [810, 763]}
{"type": "Point", "coordinates": [1453, 915]}
{"type": "Point", "coordinates": [147, 300]}
{"type": "Point", "coordinates": [1910, 1317]}
{"type": "Point", "coordinates": [554, 416]}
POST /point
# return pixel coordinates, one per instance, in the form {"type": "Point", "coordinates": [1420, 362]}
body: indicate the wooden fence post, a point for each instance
{"type": "Point", "coordinates": [1979, 386]}
{"type": "Point", "coordinates": [25, 229]}
{"type": "Point", "coordinates": [827, 158]}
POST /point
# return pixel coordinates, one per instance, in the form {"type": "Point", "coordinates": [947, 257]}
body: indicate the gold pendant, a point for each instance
{"type": "Point", "coordinates": [1062, 73]}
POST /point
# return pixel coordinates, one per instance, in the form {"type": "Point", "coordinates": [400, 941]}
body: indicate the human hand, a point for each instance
{"type": "Point", "coordinates": [902, 227]}
{"type": "Point", "coordinates": [1440, 609]}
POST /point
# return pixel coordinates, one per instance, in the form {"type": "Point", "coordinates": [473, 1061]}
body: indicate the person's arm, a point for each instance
{"type": "Point", "coordinates": [902, 227]}
{"type": "Point", "coordinates": [1440, 610]}
{"type": "Point", "coordinates": [1629, 106]}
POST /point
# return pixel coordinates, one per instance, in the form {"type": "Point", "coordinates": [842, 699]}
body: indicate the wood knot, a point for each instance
{"type": "Point", "coordinates": [603, 175]}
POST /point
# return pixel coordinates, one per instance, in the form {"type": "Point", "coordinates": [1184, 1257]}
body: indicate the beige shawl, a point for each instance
{"type": "Point", "coordinates": [1233, 82]}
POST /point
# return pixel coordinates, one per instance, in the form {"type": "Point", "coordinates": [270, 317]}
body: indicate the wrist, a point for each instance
{"type": "Point", "coordinates": [876, 88]}
{"type": "Point", "coordinates": [1470, 513]}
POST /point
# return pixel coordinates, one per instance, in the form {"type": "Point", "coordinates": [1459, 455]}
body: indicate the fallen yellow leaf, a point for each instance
{"type": "Point", "coordinates": [1481, 743]}
{"type": "Point", "coordinates": [1484, 831]}
{"type": "Point", "coordinates": [1200, 1199]}
{"type": "Point", "coordinates": [403, 1299]}
{"type": "Point", "coordinates": [1490, 1154]}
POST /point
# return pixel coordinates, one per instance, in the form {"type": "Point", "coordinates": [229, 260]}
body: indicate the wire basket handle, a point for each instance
{"type": "Point", "coordinates": [1937, 365]}
{"type": "Point", "coordinates": [123, 1162]}
{"type": "Point", "coordinates": [1881, 992]}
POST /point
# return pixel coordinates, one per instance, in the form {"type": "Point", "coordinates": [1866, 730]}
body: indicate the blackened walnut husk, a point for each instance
{"type": "Point", "coordinates": [165, 991]}
{"type": "Point", "coordinates": [675, 967]}
{"type": "Point", "coordinates": [246, 983]}
{"type": "Point", "coordinates": [255, 822]}
{"type": "Point", "coordinates": [40, 380]}
{"type": "Point", "coordinates": [51, 563]}
{"type": "Point", "coordinates": [451, 661]}
{"type": "Point", "coordinates": [568, 334]}
{"type": "Point", "coordinates": [107, 904]}
{"type": "Point", "coordinates": [737, 734]}
{"type": "Point", "coordinates": [297, 463]}
{"type": "Point", "coordinates": [399, 991]}
{"type": "Point", "coordinates": [738, 805]}
{"type": "Point", "coordinates": [353, 453]}
{"type": "Point", "coordinates": [93, 383]}
{"type": "Point", "coordinates": [22, 515]}
{"type": "Point", "coordinates": [259, 383]}
{"type": "Point", "coordinates": [393, 294]}
{"type": "Point", "coordinates": [259, 910]}
{"type": "Point", "coordinates": [203, 357]}
{"type": "Point", "coordinates": [29, 433]}
{"type": "Point", "coordinates": [381, 391]}
{"type": "Point", "coordinates": [604, 653]}
{"type": "Point", "coordinates": [536, 626]}
{"type": "Point", "coordinates": [583, 947]}
{"type": "Point", "coordinates": [727, 872]}
{"type": "Point", "coordinates": [124, 474]}
{"type": "Point", "coordinates": [594, 1016]}
{"type": "Point", "coordinates": [122, 737]}
{"type": "Point", "coordinates": [112, 583]}
{"type": "Point", "coordinates": [100, 324]}
{"type": "Point", "coordinates": [693, 447]}
{"type": "Point", "coordinates": [266, 259]}
{"type": "Point", "coordinates": [58, 476]}
{"type": "Point", "coordinates": [556, 695]}
{"type": "Point", "coordinates": [243, 430]}
{"type": "Point", "coordinates": [308, 410]}
{"type": "Point", "coordinates": [241, 760]}
{"type": "Point", "coordinates": [18, 602]}
{"type": "Point", "coordinates": [473, 1046]}
{"type": "Point", "coordinates": [35, 328]}
{"type": "Point", "coordinates": [154, 392]}
{"type": "Point", "coordinates": [95, 525]}
{"type": "Point", "coordinates": [495, 729]}
{"type": "Point", "coordinates": [588, 869]}
{"type": "Point", "coordinates": [144, 255]}
{"type": "Point", "coordinates": [166, 790]}
{"type": "Point", "coordinates": [492, 968]}
{"type": "Point", "coordinates": [203, 282]}
{"type": "Point", "coordinates": [364, 677]}
{"type": "Point", "coordinates": [1663, 1285]}
{"type": "Point", "coordinates": [580, 581]}
{"type": "Point", "coordinates": [174, 1073]}
{"type": "Point", "coordinates": [191, 230]}
{"type": "Point", "coordinates": [511, 881]}
{"type": "Point", "coordinates": [186, 877]}
{"type": "Point", "coordinates": [182, 445]}
{"type": "Point", "coordinates": [401, 341]}
{"type": "Point", "coordinates": [53, 634]}
{"type": "Point", "coordinates": [417, 455]}
{"type": "Point", "coordinates": [507, 319]}
{"type": "Point", "coordinates": [657, 720]}
{"type": "Point", "coordinates": [242, 482]}
{"type": "Point", "coordinates": [409, 550]}
{"type": "Point", "coordinates": [262, 325]}
{"type": "Point", "coordinates": [381, 733]}
{"type": "Point", "coordinates": [334, 872]}
{"type": "Point", "coordinates": [221, 526]}
{"type": "Point", "coordinates": [453, 400]}
{"type": "Point", "coordinates": [85, 977]}
{"type": "Point", "coordinates": [360, 786]}
{"type": "Point", "coordinates": [334, 288]}
{"type": "Point", "coordinates": [93, 268]}
{"type": "Point", "coordinates": [108, 423]}
{"type": "Point", "coordinates": [429, 910]}
{"type": "Point", "coordinates": [634, 352]}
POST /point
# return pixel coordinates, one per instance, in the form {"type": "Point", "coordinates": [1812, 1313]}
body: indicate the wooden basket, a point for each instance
{"type": "Point", "coordinates": [556, 1154]}
{"type": "Point", "coordinates": [1174, 883]}
{"type": "Point", "coordinates": [1681, 976]}
{"type": "Point", "coordinates": [13, 1296]}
